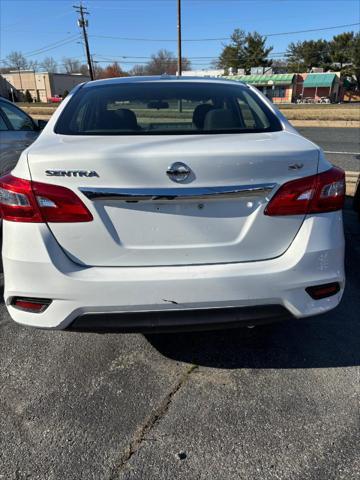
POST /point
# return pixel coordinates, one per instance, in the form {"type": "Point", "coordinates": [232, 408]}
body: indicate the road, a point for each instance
{"type": "Point", "coordinates": [276, 402]}
{"type": "Point", "coordinates": [342, 145]}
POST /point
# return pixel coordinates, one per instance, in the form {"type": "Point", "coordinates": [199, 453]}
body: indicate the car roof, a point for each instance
{"type": "Point", "coordinates": [161, 78]}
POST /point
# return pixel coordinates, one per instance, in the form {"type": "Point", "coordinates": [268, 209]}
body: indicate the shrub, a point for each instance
{"type": "Point", "coordinates": [28, 96]}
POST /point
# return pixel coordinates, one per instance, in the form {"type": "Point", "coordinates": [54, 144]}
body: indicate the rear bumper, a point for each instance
{"type": "Point", "coordinates": [35, 266]}
{"type": "Point", "coordinates": [205, 319]}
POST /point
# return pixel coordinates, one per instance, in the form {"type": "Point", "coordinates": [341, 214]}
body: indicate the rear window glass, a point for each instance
{"type": "Point", "coordinates": [150, 108]}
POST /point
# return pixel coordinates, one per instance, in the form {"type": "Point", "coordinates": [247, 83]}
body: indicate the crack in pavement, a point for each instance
{"type": "Point", "coordinates": [153, 419]}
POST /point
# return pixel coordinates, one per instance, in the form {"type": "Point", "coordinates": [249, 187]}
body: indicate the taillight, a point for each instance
{"type": "Point", "coordinates": [27, 201]}
{"type": "Point", "coordinates": [324, 192]}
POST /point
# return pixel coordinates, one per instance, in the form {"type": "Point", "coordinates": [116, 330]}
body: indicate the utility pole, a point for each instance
{"type": "Point", "coordinates": [83, 23]}
{"type": "Point", "coordinates": [179, 68]}
{"type": "Point", "coordinates": [19, 72]}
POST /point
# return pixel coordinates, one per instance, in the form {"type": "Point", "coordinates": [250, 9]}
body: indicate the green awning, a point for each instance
{"type": "Point", "coordinates": [278, 79]}
{"type": "Point", "coordinates": [319, 80]}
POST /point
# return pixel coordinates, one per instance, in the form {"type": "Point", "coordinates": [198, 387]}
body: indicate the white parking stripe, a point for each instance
{"type": "Point", "coordinates": [343, 153]}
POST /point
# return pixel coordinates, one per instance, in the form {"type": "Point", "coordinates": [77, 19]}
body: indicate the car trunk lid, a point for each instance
{"type": "Point", "coordinates": [143, 218]}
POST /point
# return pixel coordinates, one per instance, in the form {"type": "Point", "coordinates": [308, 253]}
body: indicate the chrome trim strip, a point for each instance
{"type": "Point", "coordinates": [168, 194]}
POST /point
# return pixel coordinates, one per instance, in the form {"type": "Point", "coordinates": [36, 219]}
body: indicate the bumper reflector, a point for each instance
{"type": "Point", "coordinates": [31, 305]}
{"type": "Point", "coordinates": [322, 291]}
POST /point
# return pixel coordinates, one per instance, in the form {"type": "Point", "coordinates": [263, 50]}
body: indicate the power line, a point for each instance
{"type": "Point", "coordinates": [135, 39]}
{"type": "Point", "coordinates": [143, 63]}
{"type": "Point", "coordinates": [52, 48]}
{"type": "Point", "coordinates": [125, 57]}
{"type": "Point", "coordinates": [50, 45]}
{"type": "Point", "coordinates": [312, 30]}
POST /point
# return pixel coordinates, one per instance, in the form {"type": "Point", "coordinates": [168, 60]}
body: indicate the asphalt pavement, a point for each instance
{"type": "Point", "coordinates": [275, 402]}
{"type": "Point", "coordinates": [341, 145]}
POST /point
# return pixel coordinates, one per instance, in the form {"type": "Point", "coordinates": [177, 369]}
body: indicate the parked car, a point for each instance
{"type": "Point", "coordinates": [17, 131]}
{"type": "Point", "coordinates": [160, 202]}
{"type": "Point", "coordinates": [55, 99]}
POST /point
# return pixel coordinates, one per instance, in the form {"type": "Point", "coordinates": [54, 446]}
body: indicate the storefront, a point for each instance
{"type": "Point", "coordinates": [278, 87]}
{"type": "Point", "coordinates": [314, 86]}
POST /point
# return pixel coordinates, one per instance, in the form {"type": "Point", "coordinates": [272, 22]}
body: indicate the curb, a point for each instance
{"type": "Point", "coordinates": [325, 123]}
{"type": "Point", "coordinates": [351, 180]}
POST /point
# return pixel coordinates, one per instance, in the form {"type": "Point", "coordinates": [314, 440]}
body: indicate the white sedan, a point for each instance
{"type": "Point", "coordinates": [162, 202]}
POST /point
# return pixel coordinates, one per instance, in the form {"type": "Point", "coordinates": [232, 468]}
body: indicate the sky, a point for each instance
{"type": "Point", "coordinates": [40, 28]}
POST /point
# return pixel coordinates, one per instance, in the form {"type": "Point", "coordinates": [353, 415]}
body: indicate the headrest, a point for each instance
{"type": "Point", "coordinates": [200, 114]}
{"type": "Point", "coordinates": [220, 119]}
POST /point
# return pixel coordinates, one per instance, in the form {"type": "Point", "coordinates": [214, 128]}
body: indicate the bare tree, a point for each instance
{"type": "Point", "coordinates": [84, 69]}
{"type": "Point", "coordinates": [49, 65]}
{"type": "Point", "coordinates": [17, 61]}
{"type": "Point", "coordinates": [33, 65]}
{"type": "Point", "coordinates": [71, 65]}
{"type": "Point", "coordinates": [138, 70]}
{"type": "Point", "coordinates": [165, 62]}
{"type": "Point", "coordinates": [280, 66]}
{"type": "Point", "coordinates": [98, 70]}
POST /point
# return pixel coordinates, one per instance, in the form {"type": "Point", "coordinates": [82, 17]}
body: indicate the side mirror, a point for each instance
{"type": "Point", "coordinates": [41, 124]}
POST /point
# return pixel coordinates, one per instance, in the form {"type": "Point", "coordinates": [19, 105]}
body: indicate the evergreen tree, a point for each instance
{"type": "Point", "coordinates": [233, 55]}
{"type": "Point", "coordinates": [28, 96]}
{"type": "Point", "coordinates": [256, 54]}
{"type": "Point", "coordinates": [340, 48]}
{"type": "Point", "coordinates": [353, 69]}
{"type": "Point", "coordinates": [245, 51]}
{"type": "Point", "coordinates": [308, 54]}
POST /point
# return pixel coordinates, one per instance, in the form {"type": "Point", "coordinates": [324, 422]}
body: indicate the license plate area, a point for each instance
{"type": "Point", "coordinates": [159, 224]}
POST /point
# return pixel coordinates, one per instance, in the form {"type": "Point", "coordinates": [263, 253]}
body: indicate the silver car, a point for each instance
{"type": "Point", "coordinates": [17, 131]}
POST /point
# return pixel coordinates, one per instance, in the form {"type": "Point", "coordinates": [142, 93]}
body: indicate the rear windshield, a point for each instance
{"type": "Point", "coordinates": [150, 108]}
